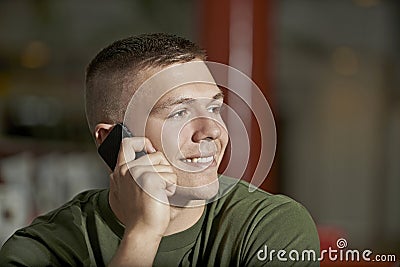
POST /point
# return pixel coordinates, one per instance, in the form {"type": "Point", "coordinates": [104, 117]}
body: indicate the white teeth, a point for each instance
{"type": "Point", "coordinates": [200, 160]}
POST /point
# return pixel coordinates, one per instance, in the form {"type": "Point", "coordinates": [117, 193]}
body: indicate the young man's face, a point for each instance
{"type": "Point", "coordinates": [186, 125]}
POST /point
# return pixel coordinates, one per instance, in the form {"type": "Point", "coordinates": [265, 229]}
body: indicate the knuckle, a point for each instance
{"type": "Point", "coordinates": [146, 176]}
{"type": "Point", "coordinates": [153, 156]}
{"type": "Point", "coordinates": [122, 170]}
{"type": "Point", "coordinates": [141, 141]}
{"type": "Point", "coordinates": [135, 171]}
{"type": "Point", "coordinates": [160, 155]}
{"type": "Point", "coordinates": [146, 180]}
{"type": "Point", "coordinates": [167, 176]}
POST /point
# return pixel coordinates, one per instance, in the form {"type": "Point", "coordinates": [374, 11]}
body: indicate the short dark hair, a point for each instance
{"type": "Point", "coordinates": [105, 96]}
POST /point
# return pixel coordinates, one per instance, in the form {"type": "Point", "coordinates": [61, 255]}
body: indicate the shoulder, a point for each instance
{"type": "Point", "coordinates": [69, 217]}
{"type": "Point", "coordinates": [267, 218]}
{"type": "Point", "coordinates": [236, 193]}
{"type": "Point", "coordinates": [72, 210]}
{"type": "Point", "coordinates": [49, 236]}
{"type": "Point", "coordinates": [256, 220]}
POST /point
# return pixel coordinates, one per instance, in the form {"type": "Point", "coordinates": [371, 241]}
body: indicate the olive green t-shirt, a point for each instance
{"type": "Point", "coordinates": [239, 229]}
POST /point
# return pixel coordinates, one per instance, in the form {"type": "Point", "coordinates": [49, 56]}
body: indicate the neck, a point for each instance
{"type": "Point", "coordinates": [183, 218]}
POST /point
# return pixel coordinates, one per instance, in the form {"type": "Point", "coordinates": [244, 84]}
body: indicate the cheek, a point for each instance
{"type": "Point", "coordinates": [174, 137]}
{"type": "Point", "coordinates": [153, 132]}
{"type": "Point", "coordinates": [224, 137]}
{"type": "Point", "coordinates": [185, 135]}
{"type": "Point", "coordinates": [166, 136]}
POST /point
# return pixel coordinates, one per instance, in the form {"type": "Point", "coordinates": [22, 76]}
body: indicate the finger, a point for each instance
{"type": "Point", "coordinates": [131, 145]}
{"type": "Point", "coordinates": [170, 189]}
{"type": "Point", "coordinates": [170, 181]}
{"type": "Point", "coordinates": [138, 170]}
{"type": "Point", "coordinates": [170, 178]}
{"type": "Point", "coordinates": [155, 183]}
{"type": "Point", "coordinates": [139, 144]}
{"type": "Point", "coordinates": [156, 158]}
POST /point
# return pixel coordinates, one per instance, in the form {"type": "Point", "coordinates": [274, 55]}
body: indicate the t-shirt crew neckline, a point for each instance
{"type": "Point", "coordinates": [168, 243]}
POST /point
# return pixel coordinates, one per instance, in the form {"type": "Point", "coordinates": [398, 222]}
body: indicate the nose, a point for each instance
{"type": "Point", "coordinates": [205, 129]}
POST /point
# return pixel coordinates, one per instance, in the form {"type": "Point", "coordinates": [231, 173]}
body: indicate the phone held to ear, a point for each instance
{"type": "Point", "coordinates": [109, 149]}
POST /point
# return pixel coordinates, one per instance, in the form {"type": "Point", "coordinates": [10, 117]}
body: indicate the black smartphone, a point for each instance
{"type": "Point", "coordinates": [109, 149]}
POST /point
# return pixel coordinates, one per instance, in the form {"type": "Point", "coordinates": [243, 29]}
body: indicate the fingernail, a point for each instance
{"type": "Point", "coordinates": [152, 149]}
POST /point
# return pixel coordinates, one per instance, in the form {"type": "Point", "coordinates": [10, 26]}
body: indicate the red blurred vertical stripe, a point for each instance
{"type": "Point", "coordinates": [215, 25]}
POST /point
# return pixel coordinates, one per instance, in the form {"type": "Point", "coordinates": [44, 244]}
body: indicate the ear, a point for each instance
{"type": "Point", "coordinates": [101, 131]}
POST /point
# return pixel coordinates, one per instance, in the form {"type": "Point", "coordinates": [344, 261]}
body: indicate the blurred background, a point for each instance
{"type": "Point", "coordinates": [330, 70]}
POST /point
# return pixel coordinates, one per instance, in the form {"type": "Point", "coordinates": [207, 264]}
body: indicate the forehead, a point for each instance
{"type": "Point", "coordinates": [196, 91]}
{"type": "Point", "coordinates": [191, 78]}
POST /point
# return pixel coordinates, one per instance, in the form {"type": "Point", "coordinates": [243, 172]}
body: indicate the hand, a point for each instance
{"type": "Point", "coordinates": [139, 188]}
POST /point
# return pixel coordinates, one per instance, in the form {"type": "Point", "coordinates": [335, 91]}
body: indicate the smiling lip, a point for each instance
{"type": "Point", "coordinates": [206, 161]}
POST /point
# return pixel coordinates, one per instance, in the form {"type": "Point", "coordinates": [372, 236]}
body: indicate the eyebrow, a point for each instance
{"type": "Point", "coordinates": [182, 100]}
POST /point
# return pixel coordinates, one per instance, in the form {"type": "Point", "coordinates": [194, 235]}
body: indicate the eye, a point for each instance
{"type": "Point", "coordinates": [178, 114]}
{"type": "Point", "coordinates": [215, 109]}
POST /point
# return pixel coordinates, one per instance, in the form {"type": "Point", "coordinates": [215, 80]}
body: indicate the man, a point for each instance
{"type": "Point", "coordinates": [168, 207]}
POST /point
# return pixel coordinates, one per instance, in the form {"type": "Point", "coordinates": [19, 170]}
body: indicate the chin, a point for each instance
{"type": "Point", "coordinates": [184, 195]}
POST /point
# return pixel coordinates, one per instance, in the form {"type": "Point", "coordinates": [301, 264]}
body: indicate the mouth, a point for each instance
{"type": "Point", "coordinates": [204, 160]}
{"type": "Point", "coordinates": [200, 162]}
